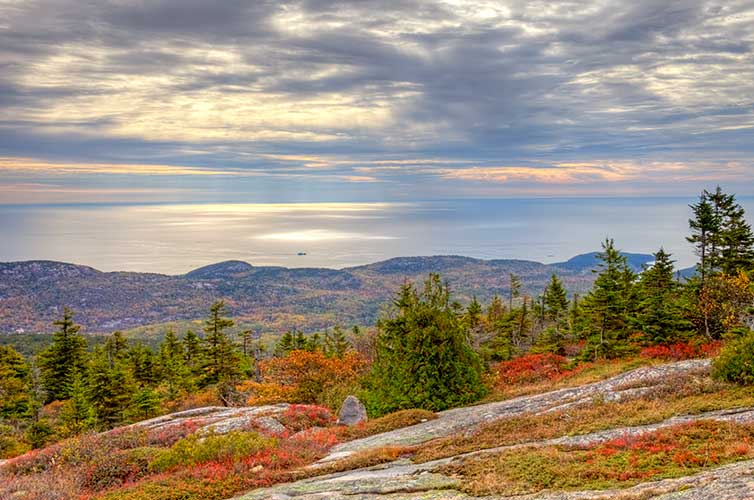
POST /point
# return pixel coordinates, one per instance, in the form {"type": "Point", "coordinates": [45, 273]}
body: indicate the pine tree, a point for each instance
{"type": "Point", "coordinates": [336, 343]}
{"type": "Point", "coordinates": [659, 313]}
{"type": "Point", "coordinates": [473, 316]}
{"type": "Point", "coordinates": [284, 345]}
{"type": "Point", "coordinates": [313, 343]}
{"type": "Point", "coordinates": [77, 414]}
{"type": "Point", "coordinates": [607, 307]}
{"type": "Point", "coordinates": [173, 370]}
{"type": "Point", "coordinates": [704, 228]}
{"type": "Point", "coordinates": [65, 357]}
{"type": "Point", "coordinates": [424, 358]}
{"type": "Point", "coordinates": [143, 365]}
{"type": "Point", "coordinates": [555, 312]}
{"type": "Point", "coordinates": [221, 363]}
{"type": "Point", "coordinates": [193, 353]}
{"type": "Point", "coordinates": [16, 402]}
{"type": "Point", "coordinates": [144, 403]}
{"type": "Point", "coordinates": [555, 300]}
{"type": "Point", "coordinates": [514, 289]}
{"type": "Point", "coordinates": [736, 239]}
{"type": "Point", "coordinates": [110, 389]}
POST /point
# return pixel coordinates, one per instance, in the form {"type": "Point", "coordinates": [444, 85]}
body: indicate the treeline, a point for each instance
{"type": "Point", "coordinates": [427, 351]}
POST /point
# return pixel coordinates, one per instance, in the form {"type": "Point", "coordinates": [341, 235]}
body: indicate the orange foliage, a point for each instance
{"type": "Point", "coordinates": [301, 376]}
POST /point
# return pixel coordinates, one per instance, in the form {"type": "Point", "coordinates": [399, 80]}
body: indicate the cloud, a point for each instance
{"type": "Point", "coordinates": [407, 94]}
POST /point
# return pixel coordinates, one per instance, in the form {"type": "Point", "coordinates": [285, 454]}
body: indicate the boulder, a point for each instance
{"type": "Point", "coordinates": [352, 412]}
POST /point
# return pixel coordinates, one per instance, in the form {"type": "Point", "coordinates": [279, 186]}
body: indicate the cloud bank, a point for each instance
{"type": "Point", "coordinates": [313, 99]}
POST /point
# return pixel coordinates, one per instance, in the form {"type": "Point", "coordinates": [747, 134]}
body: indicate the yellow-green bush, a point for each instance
{"type": "Point", "coordinates": [196, 449]}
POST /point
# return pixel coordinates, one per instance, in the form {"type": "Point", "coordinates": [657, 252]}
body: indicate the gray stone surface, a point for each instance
{"type": "Point", "coordinates": [404, 480]}
{"type": "Point", "coordinates": [463, 420]}
{"type": "Point", "coordinates": [352, 412]}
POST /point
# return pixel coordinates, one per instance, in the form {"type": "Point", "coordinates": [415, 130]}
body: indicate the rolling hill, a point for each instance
{"type": "Point", "coordinates": [33, 293]}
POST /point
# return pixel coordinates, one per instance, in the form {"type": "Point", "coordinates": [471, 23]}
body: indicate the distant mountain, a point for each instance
{"type": "Point", "coordinates": [588, 261]}
{"type": "Point", "coordinates": [33, 293]}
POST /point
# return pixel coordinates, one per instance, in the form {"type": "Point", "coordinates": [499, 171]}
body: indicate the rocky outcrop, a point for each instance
{"type": "Point", "coordinates": [221, 420]}
{"type": "Point", "coordinates": [405, 480]}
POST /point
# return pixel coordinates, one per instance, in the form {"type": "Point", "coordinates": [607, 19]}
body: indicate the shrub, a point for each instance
{"type": "Point", "coordinates": [532, 368]}
{"type": "Point", "coordinates": [120, 467]}
{"type": "Point", "coordinates": [680, 351]}
{"type": "Point", "coordinates": [299, 417]}
{"type": "Point", "coordinates": [303, 377]}
{"type": "Point", "coordinates": [196, 449]}
{"type": "Point", "coordinates": [389, 422]}
{"type": "Point", "coordinates": [735, 363]}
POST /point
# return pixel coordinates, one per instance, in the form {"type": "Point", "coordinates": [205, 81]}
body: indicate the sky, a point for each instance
{"type": "Point", "coordinates": [313, 100]}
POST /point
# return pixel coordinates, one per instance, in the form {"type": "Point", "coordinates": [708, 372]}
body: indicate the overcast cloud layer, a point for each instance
{"type": "Point", "coordinates": [329, 100]}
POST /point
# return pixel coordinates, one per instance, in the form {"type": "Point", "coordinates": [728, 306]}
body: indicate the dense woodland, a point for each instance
{"type": "Point", "coordinates": [427, 350]}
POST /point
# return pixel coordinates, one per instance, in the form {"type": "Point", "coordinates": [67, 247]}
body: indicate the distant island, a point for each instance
{"type": "Point", "coordinates": [271, 298]}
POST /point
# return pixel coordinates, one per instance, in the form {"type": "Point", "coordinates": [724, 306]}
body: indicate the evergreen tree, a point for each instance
{"type": "Point", "coordinates": [221, 362]}
{"type": "Point", "coordinates": [704, 228]}
{"type": "Point", "coordinates": [424, 358]}
{"type": "Point", "coordinates": [659, 313]}
{"type": "Point", "coordinates": [313, 343]}
{"type": "Point", "coordinates": [110, 389]}
{"type": "Point", "coordinates": [77, 414]}
{"type": "Point", "coordinates": [193, 353]}
{"type": "Point", "coordinates": [116, 347]}
{"type": "Point", "coordinates": [336, 343]}
{"type": "Point", "coordinates": [143, 365]}
{"type": "Point", "coordinates": [607, 307]}
{"type": "Point", "coordinates": [144, 403]}
{"type": "Point", "coordinates": [173, 370]}
{"type": "Point", "coordinates": [473, 316]}
{"type": "Point", "coordinates": [736, 239]}
{"type": "Point", "coordinates": [65, 357]}
{"type": "Point", "coordinates": [555, 312]}
{"type": "Point", "coordinates": [16, 402]}
{"type": "Point", "coordinates": [284, 345]}
{"type": "Point", "coordinates": [555, 300]}
{"type": "Point", "coordinates": [514, 289]}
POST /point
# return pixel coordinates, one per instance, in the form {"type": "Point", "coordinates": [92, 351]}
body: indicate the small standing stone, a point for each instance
{"type": "Point", "coordinates": [352, 412]}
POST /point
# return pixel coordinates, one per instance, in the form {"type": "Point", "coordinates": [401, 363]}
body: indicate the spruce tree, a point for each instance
{"type": "Point", "coordinates": [736, 240]}
{"type": "Point", "coordinates": [110, 389]}
{"type": "Point", "coordinates": [193, 353]}
{"type": "Point", "coordinates": [173, 370]}
{"type": "Point", "coordinates": [514, 289]}
{"type": "Point", "coordinates": [221, 362]}
{"type": "Point", "coordinates": [660, 316]}
{"type": "Point", "coordinates": [16, 401]}
{"type": "Point", "coordinates": [336, 343]}
{"type": "Point", "coordinates": [607, 308]}
{"type": "Point", "coordinates": [63, 359]}
{"type": "Point", "coordinates": [704, 229]}
{"type": "Point", "coordinates": [423, 355]}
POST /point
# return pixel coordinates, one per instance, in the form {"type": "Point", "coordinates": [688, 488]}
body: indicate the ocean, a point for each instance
{"type": "Point", "coordinates": [176, 238]}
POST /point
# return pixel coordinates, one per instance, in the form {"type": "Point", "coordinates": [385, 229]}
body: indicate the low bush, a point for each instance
{"type": "Point", "coordinates": [671, 452]}
{"type": "Point", "coordinates": [680, 351]}
{"type": "Point", "coordinates": [735, 363]}
{"type": "Point", "coordinates": [389, 422]}
{"type": "Point", "coordinates": [196, 449]}
{"type": "Point", "coordinates": [532, 368]}
{"type": "Point", "coordinates": [300, 417]}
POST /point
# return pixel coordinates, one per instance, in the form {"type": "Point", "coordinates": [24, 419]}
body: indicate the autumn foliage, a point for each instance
{"type": "Point", "coordinates": [304, 377]}
{"type": "Point", "coordinates": [532, 368]}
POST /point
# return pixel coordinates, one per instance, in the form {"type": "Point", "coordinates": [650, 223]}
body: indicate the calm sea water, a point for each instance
{"type": "Point", "coordinates": [174, 239]}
